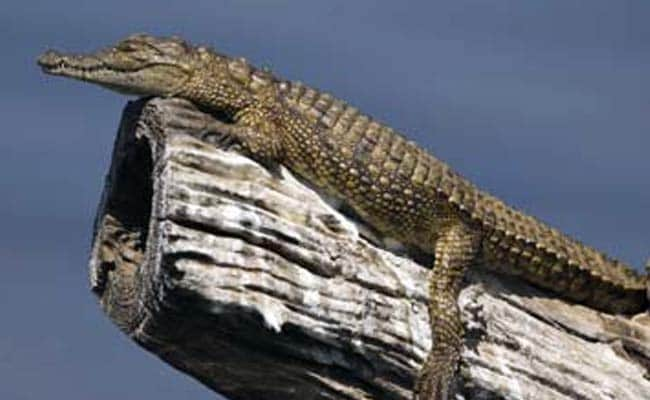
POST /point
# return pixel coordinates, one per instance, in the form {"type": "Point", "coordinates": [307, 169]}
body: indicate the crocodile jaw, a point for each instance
{"type": "Point", "coordinates": [147, 78]}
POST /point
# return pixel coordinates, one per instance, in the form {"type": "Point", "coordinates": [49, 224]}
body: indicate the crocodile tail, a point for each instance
{"type": "Point", "coordinates": [523, 245]}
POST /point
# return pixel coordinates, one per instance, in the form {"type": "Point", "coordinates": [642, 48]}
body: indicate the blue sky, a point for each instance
{"type": "Point", "coordinates": [546, 104]}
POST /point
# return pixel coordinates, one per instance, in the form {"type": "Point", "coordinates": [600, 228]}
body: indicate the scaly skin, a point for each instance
{"type": "Point", "coordinates": [393, 184]}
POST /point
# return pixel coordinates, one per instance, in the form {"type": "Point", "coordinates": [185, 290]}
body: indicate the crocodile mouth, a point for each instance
{"type": "Point", "coordinates": [83, 67]}
{"type": "Point", "coordinates": [123, 73]}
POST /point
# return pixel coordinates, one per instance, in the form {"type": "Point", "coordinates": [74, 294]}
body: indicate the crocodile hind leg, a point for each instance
{"type": "Point", "coordinates": [455, 250]}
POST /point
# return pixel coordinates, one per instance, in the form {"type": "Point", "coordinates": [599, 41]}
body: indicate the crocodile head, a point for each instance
{"type": "Point", "coordinates": [139, 64]}
{"type": "Point", "coordinates": [146, 65]}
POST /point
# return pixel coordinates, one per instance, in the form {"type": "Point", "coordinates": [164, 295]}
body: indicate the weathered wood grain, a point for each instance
{"type": "Point", "coordinates": [251, 282]}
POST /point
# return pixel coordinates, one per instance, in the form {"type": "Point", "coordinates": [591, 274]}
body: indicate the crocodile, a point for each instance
{"type": "Point", "coordinates": [394, 185]}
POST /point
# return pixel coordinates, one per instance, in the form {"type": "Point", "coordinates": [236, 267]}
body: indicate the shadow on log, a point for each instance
{"type": "Point", "coordinates": [253, 284]}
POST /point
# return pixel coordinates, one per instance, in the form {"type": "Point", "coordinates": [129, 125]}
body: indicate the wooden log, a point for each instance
{"type": "Point", "coordinates": [252, 283]}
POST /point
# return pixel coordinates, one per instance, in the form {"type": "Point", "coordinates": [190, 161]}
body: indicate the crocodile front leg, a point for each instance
{"type": "Point", "coordinates": [455, 250]}
{"type": "Point", "coordinates": [258, 139]}
{"type": "Point", "coordinates": [261, 142]}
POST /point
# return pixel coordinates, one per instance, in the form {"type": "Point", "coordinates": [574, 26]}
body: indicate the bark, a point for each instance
{"type": "Point", "coordinates": [248, 280]}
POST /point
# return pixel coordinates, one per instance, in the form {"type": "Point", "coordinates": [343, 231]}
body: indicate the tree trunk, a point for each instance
{"type": "Point", "coordinates": [252, 283]}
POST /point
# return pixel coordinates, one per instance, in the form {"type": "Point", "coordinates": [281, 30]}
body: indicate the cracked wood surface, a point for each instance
{"type": "Point", "coordinates": [256, 286]}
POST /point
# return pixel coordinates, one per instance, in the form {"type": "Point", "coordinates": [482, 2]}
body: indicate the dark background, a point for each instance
{"type": "Point", "coordinates": [545, 104]}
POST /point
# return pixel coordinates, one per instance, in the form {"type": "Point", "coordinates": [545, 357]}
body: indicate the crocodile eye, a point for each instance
{"type": "Point", "coordinates": [261, 79]}
{"type": "Point", "coordinates": [127, 47]}
{"type": "Point", "coordinates": [240, 69]}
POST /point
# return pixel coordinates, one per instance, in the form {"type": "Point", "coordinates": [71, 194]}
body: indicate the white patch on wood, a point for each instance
{"type": "Point", "coordinates": [273, 313]}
